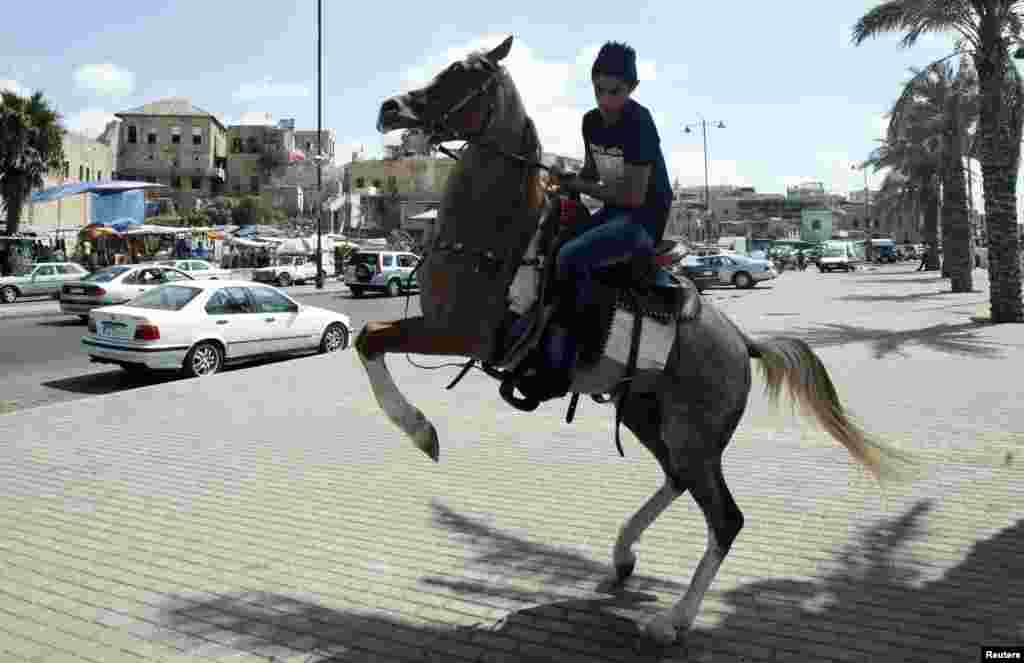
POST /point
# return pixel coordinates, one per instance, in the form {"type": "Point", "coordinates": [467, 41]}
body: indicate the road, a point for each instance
{"type": "Point", "coordinates": [42, 362]}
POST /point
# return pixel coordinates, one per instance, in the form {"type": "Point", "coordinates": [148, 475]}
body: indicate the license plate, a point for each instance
{"type": "Point", "coordinates": [113, 329]}
{"type": "Point", "coordinates": [707, 273]}
{"type": "Point", "coordinates": [76, 291]}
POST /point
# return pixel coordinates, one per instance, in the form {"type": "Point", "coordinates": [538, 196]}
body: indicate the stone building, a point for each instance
{"type": "Point", "coordinates": [172, 142]}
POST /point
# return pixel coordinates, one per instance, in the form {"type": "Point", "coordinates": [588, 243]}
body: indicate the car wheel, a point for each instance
{"type": "Point", "coordinates": [335, 338]}
{"type": "Point", "coordinates": [742, 280]}
{"type": "Point", "coordinates": [356, 292]}
{"type": "Point", "coordinates": [205, 358]}
{"type": "Point", "coordinates": [84, 318]}
{"type": "Point", "coordinates": [284, 280]}
{"type": "Point", "coordinates": [9, 294]}
{"type": "Point", "coordinates": [394, 288]}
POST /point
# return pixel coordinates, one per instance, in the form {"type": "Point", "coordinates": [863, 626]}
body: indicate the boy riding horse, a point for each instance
{"type": "Point", "coordinates": [625, 169]}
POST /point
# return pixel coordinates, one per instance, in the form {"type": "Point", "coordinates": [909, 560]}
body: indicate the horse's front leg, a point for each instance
{"type": "Point", "coordinates": [377, 339]}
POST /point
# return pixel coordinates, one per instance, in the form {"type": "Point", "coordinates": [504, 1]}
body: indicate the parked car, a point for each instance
{"type": "Point", "coordinates": [836, 258]}
{"type": "Point", "coordinates": [381, 271]}
{"type": "Point", "coordinates": [39, 279]}
{"type": "Point", "coordinates": [735, 269]}
{"type": "Point", "coordinates": [199, 326]}
{"type": "Point", "coordinates": [693, 268]}
{"type": "Point", "coordinates": [114, 285]}
{"type": "Point", "coordinates": [197, 269]}
{"type": "Point", "coordinates": [293, 268]}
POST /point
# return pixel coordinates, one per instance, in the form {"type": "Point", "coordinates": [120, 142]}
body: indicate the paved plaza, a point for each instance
{"type": "Point", "coordinates": [276, 514]}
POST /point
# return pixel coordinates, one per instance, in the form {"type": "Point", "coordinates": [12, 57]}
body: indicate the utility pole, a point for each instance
{"type": "Point", "coordinates": [319, 153]}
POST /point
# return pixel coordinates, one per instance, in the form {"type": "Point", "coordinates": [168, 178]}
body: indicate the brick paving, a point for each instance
{"type": "Point", "coordinates": [275, 514]}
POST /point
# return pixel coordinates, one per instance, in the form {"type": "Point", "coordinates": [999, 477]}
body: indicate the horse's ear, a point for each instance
{"type": "Point", "coordinates": [499, 53]}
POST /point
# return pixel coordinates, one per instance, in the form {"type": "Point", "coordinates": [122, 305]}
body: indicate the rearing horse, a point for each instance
{"type": "Point", "coordinates": [684, 412]}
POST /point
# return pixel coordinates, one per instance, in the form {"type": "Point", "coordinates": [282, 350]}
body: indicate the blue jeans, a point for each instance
{"type": "Point", "coordinates": [609, 237]}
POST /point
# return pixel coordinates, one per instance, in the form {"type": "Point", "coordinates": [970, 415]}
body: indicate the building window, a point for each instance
{"type": "Point", "coordinates": [856, 223]}
{"type": "Point", "coordinates": [99, 175]}
{"type": "Point", "coordinates": [236, 145]}
{"type": "Point", "coordinates": [392, 183]}
{"type": "Point", "coordinates": [816, 224]}
{"type": "Point", "coordinates": [88, 174]}
{"type": "Point", "coordinates": [360, 182]}
{"type": "Point", "coordinates": [376, 184]}
{"type": "Point", "coordinates": [197, 183]}
{"type": "Point", "coordinates": [67, 169]}
{"type": "Point", "coordinates": [236, 184]}
{"type": "Point", "coordinates": [133, 134]}
{"type": "Point", "coordinates": [254, 183]}
{"type": "Point", "coordinates": [176, 181]}
{"type": "Point", "coordinates": [176, 135]}
{"type": "Point", "coordinates": [197, 135]}
{"type": "Point", "coordinates": [151, 138]}
{"type": "Point", "coordinates": [81, 172]}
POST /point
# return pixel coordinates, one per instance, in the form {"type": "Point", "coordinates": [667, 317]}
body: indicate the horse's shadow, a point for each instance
{"type": "Point", "coordinates": [871, 606]}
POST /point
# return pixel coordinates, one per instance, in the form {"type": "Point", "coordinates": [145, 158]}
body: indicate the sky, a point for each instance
{"type": "Point", "coordinates": [799, 102]}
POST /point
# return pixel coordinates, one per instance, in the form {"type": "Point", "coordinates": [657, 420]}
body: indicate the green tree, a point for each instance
{"type": "Point", "coordinates": [986, 30]}
{"type": "Point", "coordinates": [31, 145]}
{"type": "Point", "coordinates": [937, 107]}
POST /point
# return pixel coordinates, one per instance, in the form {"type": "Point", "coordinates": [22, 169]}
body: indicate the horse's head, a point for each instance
{"type": "Point", "coordinates": [457, 103]}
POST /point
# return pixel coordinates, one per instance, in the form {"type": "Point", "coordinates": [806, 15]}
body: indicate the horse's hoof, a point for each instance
{"type": "Point", "coordinates": [427, 442]}
{"type": "Point", "coordinates": [661, 630]}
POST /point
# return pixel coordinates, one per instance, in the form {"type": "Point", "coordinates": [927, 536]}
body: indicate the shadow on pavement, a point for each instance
{"type": "Point", "coordinates": [907, 297]}
{"type": "Point", "coordinates": [871, 606]}
{"type": "Point", "coordinates": [936, 279]}
{"type": "Point", "coordinates": [112, 381]}
{"type": "Point", "coordinates": [958, 339]}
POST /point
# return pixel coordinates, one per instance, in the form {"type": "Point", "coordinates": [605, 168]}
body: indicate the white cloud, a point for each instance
{"type": "Point", "coordinates": [90, 121]}
{"type": "Point", "coordinates": [879, 125]}
{"type": "Point", "coordinates": [105, 79]}
{"type": "Point", "coordinates": [255, 118]}
{"type": "Point", "coordinates": [267, 89]}
{"type": "Point", "coordinates": [12, 86]}
{"type": "Point", "coordinates": [687, 165]}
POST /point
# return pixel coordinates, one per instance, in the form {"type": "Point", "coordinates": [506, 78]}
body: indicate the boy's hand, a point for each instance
{"type": "Point", "coordinates": [566, 181]}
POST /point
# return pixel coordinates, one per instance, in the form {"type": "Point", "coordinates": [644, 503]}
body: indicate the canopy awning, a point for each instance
{"type": "Point", "coordinates": [97, 186]}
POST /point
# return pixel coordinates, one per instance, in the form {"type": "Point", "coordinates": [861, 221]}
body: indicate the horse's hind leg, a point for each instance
{"type": "Point", "coordinates": [724, 520]}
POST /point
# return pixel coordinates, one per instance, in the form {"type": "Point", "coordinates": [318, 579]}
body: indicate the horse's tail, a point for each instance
{"type": "Point", "coordinates": [791, 361]}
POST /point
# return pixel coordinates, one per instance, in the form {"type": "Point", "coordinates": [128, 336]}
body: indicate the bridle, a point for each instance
{"type": "Point", "coordinates": [441, 131]}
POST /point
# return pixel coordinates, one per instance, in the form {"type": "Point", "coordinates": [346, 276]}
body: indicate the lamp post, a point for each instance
{"type": "Point", "coordinates": [703, 124]}
{"type": "Point", "coordinates": [319, 152]}
{"type": "Point", "coordinates": [867, 218]}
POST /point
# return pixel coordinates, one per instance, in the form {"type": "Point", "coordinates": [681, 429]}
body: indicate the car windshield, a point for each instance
{"type": "Point", "coordinates": [289, 260]}
{"type": "Point", "coordinates": [166, 298]}
{"type": "Point", "coordinates": [834, 252]}
{"type": "Point", "coordinates": [169, 263]}
{"type": "Point", "coordinates": [364, 259]}
{"type": "Point", "coordinates": [108, 274]}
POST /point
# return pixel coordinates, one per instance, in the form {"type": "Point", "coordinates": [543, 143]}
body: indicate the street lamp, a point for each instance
{"type": "Point", "coordinates": [319, 153]}
{"type": "Point", "coordinates": [867, 214]}
{"type": "Point", "coordinates": [703, 124]}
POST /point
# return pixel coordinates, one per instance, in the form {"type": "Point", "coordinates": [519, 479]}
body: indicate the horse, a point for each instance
{"type": "Point", "coordinates": [689, 396]}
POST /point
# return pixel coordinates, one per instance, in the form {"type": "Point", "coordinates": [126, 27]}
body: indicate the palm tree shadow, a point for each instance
{"type": "Point", "coordinates": [871, 606]}
{"type": "Point", "coordinates": [906, 297]}
{"type": "Point", "coordinates": [955, 339]}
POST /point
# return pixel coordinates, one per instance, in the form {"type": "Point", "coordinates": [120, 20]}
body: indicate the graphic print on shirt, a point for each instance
{"type": "Point", "coordinates": [609, 162]}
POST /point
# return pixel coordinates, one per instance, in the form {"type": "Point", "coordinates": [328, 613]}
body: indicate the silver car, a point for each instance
{"type": "Point", "coordinates": [735, 269]}
{"type": "Point", "coordinates": [41, 279]}
{"type": "Point", "coordinates": [114, 285]}
{"type": "Point", "coordinates": [197, 269]}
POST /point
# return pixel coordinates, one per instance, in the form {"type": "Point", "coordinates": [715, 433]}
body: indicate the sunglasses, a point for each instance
{"type": "Point", "coordinates": [614, 91]}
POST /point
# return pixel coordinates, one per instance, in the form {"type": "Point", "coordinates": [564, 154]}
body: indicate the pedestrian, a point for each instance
{"type": "Point", "coordinates": [624, 168]}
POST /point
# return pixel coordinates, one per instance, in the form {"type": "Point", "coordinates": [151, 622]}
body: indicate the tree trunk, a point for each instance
{"type": "Point", "coordinates": [1000, 129]}
{"type": "Point", "coordinates": [930, 231]}
{"type": "Point", "coordinates": [13, 203]}
{"type": "Point", "coordinates": [957, 256]}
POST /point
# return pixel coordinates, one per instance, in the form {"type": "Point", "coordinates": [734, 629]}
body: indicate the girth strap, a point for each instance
{"type": "Point", "coordinates": [627, 381]}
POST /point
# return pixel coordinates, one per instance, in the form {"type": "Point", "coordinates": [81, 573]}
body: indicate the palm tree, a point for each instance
{"type": "Point", "coordinates": [31, 145]}
{"type": "Point", "coordinates": [915, 156]}
{"type": "Point", "coordinates": [986, 30]}
{"type": "Point", "coordinates": [937, 106]}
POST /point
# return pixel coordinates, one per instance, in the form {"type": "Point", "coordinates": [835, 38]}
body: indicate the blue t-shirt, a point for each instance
{"type": "Point", "coordinates": [633, 140]}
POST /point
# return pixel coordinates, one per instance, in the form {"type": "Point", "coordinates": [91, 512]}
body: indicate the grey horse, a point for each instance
{"type": "Point", "coordinates": [686, 401]}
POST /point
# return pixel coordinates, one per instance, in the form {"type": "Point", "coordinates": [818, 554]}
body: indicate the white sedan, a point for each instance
{"type": "Point", "coordinates": [197, 269]}
{"type": "Point", "coordinates": [114, 285]}
{"type": "Point", "coordinates": [198, 326]}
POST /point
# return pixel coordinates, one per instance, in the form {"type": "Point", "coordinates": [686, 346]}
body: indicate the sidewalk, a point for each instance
{"type": "Point", "coordinates": [275, 514]}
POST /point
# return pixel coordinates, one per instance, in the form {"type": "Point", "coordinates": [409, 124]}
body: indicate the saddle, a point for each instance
{"type": "Point", "coordinates": [537, 350]}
